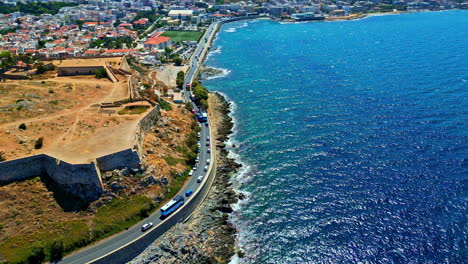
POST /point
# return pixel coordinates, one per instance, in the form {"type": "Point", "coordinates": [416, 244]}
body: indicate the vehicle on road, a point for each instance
{"type": "Point", "coordinates": [207, 143]}
{"type": "Point", "coordinates": [206, 168]}
{"type": "Point", "coordinates": [200, 178]}
{"type": "Point", "coordinates": [190, 173]}
{"type": "Point", "coordinates": [188, 193]}
{"type": "Point", "coordinates": [207, 138]}
{"type": "Point", "coordinates": [194, 167]}
{"type": "Point", "coordinates": [172, 205]}
{"type": "Point", "coordinates": [208, 150]}
{"type": "Point", "coordinates": [208, 161]}
{"type": "Point", "coordinates": [146, 226]}
{"type": "Point", "coordinates": [206, 124]}
{"type": "Point", "coordinates": [202, 117]}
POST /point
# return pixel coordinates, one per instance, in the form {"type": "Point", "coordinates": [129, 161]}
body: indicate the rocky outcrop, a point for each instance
{"type": "Point", "coordinates": [207, 236]}
{"type": "Point", "coordinates": [207, 72]}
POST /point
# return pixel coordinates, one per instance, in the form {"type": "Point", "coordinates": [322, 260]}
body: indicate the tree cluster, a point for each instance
{"type": "Point", "coordinates": [201, 94]}
{"type": "Point", "coordinates": [34, 8]}
{"type": "Point", "coordinates": [8, 60]}
{"type": "Point", "coordinates": [180, 79]}
{"type": "Point", "coordinates": [8, 30]}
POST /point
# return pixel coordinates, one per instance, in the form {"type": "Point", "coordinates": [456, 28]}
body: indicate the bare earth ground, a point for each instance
{"type": "Point", "coordinates": [33, 217]}
{"type": "Point", "coordinates": [168, 74]}
{"type": "Point", "coordinates": [65, 111]}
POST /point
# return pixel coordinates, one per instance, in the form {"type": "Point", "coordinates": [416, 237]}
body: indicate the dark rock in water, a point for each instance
{"type": "Point", "coordinates": [241, 196]}
{"type": "Point", "coordinates": [225, 209]}
{"type": "Point", "coordinates": [207, 72]}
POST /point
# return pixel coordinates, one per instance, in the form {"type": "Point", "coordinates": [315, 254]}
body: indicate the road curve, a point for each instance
{"type": "Point", "coordinates": [124, 246]}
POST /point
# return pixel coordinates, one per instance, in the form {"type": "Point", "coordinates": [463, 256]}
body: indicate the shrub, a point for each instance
{"type": "Point", "coordinates": [37, 255]}
{"type": "Point", "coordinates": [101, 73]}
{"type": "Point", "coordinates": [180, 79]}
{"type": "Point", "coordinates": [165, 105]}
{"type": "Point", "coordinates": [171, 161]}
{"type": "Point", "coordinates": [56, 250]}
{"type": "Point", "coordinates": [22, 126]}
{"type": "Point", "coordinates": [178, 61]}
{"type": "Point", "coordinates": [2, 157]}
{"type": "Point", "coordinates": [51, 91]}
{"type": "Point", "coordinates": [39, 143]}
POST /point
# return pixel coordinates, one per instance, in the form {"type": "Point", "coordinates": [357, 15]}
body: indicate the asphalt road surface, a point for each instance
{"type": "Point", "coordinates": [126, 245]}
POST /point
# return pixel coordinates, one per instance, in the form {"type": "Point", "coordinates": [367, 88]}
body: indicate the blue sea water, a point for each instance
{"type": "Point", "coordinates": [353, 135]}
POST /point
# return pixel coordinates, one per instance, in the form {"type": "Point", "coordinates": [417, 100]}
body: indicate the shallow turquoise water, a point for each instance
{"type": "Point", "coordinates": [353, 135]}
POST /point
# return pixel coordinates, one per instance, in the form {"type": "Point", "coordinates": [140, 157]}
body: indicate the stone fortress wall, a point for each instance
{"type": "Point", "coordinates": [80, 180]}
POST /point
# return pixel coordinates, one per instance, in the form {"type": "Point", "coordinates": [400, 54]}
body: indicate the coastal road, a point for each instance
{"type": "Point", "coordinates": [126, 245]}
{"type": "Point", "coordinates": [197, 58]}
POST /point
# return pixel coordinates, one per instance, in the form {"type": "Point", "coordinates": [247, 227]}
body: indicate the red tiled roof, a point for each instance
{"type": "Point", "coordinates": [157, 40]}
{"type": "Point", "coordinates": [118, 50]}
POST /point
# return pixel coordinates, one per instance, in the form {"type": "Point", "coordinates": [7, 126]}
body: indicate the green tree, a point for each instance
{"type": "Point", "coordinates": [37, 255]}
{"type": "Point", "coordinates": [180, 79]}
{"type": "Point", "coordinates": [101, 73]}
{"type": "Point", "coordinates": [80, 23]}
{"type": "Point", "coordinates": [39, 143]}
{"type": "Point", "coordinates": [6, 60]}
{"type": "Point", "coordinates": [178, 61]}
{"type": "Point", "coordinates": [201, 94]}
{"type": "Point", "coordinates": [56, 250]}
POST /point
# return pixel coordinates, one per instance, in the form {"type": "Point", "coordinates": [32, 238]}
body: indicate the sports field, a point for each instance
{"type": "Point", "coordinates": [182, 35]}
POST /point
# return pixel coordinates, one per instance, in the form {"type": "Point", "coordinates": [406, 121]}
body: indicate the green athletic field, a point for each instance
{"type": "Point", "coordinates": [182, 35]}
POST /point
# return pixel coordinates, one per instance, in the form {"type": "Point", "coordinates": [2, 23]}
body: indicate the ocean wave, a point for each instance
{"type": "Point", "coordinates": [224, 73]}
{"type": "Point", "coordinates": [243, 25]}
{"type": "Point", "coordinates": [243, 176]}
{"type": "Point", "coordinates": [216, 50]}
{"type": "Point", "coordinates": [230, 30]}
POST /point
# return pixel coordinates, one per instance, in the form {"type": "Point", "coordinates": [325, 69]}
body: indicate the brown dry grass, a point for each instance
{"type": "Point", "coordinates": [65, 111]}
{"type": "Point", "coordinates": [33, 218]}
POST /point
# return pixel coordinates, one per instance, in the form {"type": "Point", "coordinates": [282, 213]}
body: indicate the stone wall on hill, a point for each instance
{"type": "Point", "coordinates": [80, 180]}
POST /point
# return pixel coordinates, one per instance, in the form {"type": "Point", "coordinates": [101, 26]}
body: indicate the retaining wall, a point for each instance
{"type": "Point", "coordinates": [144, 126]}
{"type": "Point", "coordinates": [125, 158]}
{"type": "Point", "coordinates": [81, 180]}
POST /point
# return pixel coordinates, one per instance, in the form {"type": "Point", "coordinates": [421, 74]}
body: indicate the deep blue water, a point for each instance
{"type": "Point", "coordinates": [355, 137]}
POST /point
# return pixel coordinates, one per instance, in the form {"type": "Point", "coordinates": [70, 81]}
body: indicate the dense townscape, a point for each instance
{"type": "Point", "coordinates": [53, 29]}
{"type": "Point", "coordinates": [107, 125]}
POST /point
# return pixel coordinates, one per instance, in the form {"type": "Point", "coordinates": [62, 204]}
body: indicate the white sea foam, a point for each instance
{"type": "Point", "coordinates": [216, 50]}
{"type": "Point", "coordinates": [243, 25]}
{"type": "Point", "coordinates": [242, 177]}
{"type": "Point", "coordinates": [224, 73]}
{"type": "Point", "coordinates": [230, 30]}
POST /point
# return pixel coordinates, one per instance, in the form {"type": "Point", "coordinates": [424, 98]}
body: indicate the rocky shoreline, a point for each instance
{"type": "Point", "coordinates": [207, 236]}
{"type": "Point", "coordinates": [207, 72]}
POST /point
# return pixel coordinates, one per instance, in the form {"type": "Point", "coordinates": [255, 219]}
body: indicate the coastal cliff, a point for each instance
{"type": "Point", "coordinates": [207, 236]}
